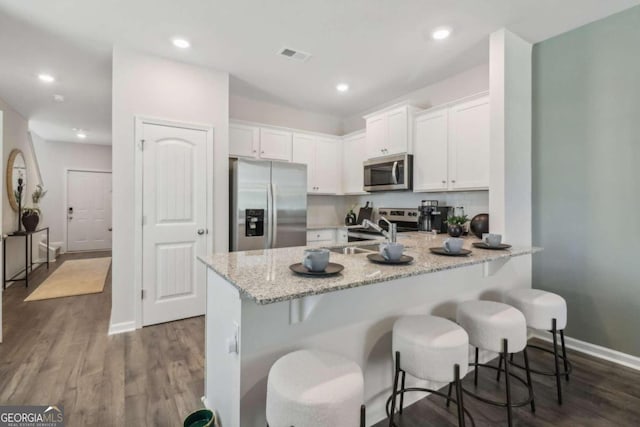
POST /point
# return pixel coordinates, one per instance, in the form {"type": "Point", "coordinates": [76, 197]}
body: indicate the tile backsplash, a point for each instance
{"type": "Point", "coordinates": [331, 210]}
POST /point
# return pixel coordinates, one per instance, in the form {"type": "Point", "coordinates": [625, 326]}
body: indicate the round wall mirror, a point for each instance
{"type": "Point", "coordinates": [16, 174]}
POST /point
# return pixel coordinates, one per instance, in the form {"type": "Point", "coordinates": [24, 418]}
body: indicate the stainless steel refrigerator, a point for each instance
{"type": "Point", "coordinates": [268, 204]}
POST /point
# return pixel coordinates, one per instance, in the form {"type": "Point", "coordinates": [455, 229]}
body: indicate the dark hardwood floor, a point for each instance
{"type": "Point", "coordinates": [58, 351]}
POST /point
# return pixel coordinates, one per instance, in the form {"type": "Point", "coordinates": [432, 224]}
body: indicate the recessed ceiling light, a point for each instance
{"type": "Point", "coordinates": [81, 135]}
{"type": "Point", "coordinates": [342, 87]}
{"type": "Point", "coordinates": [181, 43]}
{"type": "Point", "coordinates": [47, 78]}
{"type": "Point", "coordinates": [58, 98]}
{"type": "Point", "coordinates": [441, 33]}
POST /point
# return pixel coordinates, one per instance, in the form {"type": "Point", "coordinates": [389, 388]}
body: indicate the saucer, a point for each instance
{"type": "Point", "coordinates": [440, 251]}
{"type": "Point", "coordinates": [331, 269]}
{"type": "Point", "coordinates": [379, 259]}
{"type": "Point", "coordinates": [483, 245]}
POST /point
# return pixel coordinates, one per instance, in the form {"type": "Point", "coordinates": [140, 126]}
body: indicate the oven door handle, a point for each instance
{"type": "Point", "coordinates": [394, 173]}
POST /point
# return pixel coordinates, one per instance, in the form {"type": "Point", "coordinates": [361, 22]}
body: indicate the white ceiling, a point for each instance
{"type": "Point", "coordinates": [382, 48]}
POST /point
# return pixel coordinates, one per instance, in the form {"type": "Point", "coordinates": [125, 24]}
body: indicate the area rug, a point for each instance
{"type": "Point", "coordinates": [74, 277]}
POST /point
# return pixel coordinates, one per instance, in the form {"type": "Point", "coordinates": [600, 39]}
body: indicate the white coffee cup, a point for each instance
{"type": "Point", "coordinates": [491, 239]}
{"type": "Point", "coordinates": [453, 245]}
{"type": "Point", "coordinates": [391, 251]}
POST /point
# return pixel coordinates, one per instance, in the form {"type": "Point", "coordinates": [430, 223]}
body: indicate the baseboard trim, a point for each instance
{"type": "Point", "coordinates": [120, 328]}
{"type": "Point", "coordinates": [595, 350]}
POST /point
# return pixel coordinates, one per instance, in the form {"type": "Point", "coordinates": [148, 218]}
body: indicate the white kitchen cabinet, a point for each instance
{"type": "Point", "coordinates": [244, 141]}
{"type": "Point", "coordinates": [389, 131]}
{"type": "Point", "coordinates": [275, 144]}
{"type": "Point", "coordinates": [323, 159]}
{"type": "Point", "coordinates": [327, 236]}
{"type": "Point", "coordinates": [451, 147]}
{"type": "Point", "coordinates": [469, 145]}
{"type": "Point", "coordinates": [398, 131]}
{"type": "Point", "coordinates": [430, 152]}
{"type": "Point", "coordinates": [354, 155]}
{"type": "Point", "coordinates": [376, 136]}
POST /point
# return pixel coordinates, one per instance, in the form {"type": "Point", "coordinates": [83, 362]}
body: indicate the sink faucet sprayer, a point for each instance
{"type": "Point", "coordinates": [390, 234]}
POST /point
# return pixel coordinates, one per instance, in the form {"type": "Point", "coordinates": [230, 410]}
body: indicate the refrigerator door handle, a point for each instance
{"type": "Point", "coordinates": [274, 216]}
{"type": "Point", "coordinates": [269, 218]}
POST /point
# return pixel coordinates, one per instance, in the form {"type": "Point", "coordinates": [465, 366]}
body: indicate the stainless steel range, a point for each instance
{"type": "Point", "coordinates": [406, 219]}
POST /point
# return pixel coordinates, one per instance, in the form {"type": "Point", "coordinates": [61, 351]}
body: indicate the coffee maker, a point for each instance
{"type": "Point", "coordinates": [433, 217]}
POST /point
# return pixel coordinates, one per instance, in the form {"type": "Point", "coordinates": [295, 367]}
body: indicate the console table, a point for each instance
{"type": "Point", "coordinates": [28, 255]}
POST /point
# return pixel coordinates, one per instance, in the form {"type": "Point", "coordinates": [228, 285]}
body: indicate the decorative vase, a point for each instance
{"type": "Point", "coordinates": [479, 225]}
{"type": "Point", "coordinates": [455, 230]}
{"type": "Point", "coordinates": [30, 221]}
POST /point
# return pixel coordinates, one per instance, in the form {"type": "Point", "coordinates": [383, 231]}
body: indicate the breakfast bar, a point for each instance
{"type": "Point", "coordinates": [258, 310]}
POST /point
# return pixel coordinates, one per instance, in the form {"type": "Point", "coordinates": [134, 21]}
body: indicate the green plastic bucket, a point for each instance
{"type": "Point", "coordinates": [201, 418]}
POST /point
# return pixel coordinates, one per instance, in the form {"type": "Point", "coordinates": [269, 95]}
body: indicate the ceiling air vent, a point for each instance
{"type": "Point", "coordinates": [295, 55]}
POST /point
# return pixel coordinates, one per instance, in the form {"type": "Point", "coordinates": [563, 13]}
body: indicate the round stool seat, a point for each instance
{"type": "Point", "coordinates": [430, 347]}
{"type": "Point", "coordinates": [539, 307]}
{"type": "Point", "coordinates": [489, 322]}
{"type": "Point", "coordinates": [314, 389]}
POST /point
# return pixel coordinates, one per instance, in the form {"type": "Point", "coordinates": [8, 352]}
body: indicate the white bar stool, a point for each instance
{"type": "Point", "coordinates": [432, 349]}
{"type": "Point", "coordinates": [544, 311]}
{"type": "Point", "coordinates": [310, 388]}
{"type": "Point", "coordinates": [502, 329]}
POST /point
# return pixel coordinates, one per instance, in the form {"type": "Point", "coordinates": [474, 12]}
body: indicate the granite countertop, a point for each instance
{"type": "Point", "coordinates": [264, 275]}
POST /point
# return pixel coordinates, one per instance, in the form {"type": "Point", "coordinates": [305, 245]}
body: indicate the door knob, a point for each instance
{"type": "Point", "coordinates": [110, 228]}
{"type": "Point", "coordinates": [200, 231]}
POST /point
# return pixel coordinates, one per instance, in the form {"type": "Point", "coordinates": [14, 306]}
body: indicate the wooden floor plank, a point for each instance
{"type": "Point", "coordinates": [58, 351]}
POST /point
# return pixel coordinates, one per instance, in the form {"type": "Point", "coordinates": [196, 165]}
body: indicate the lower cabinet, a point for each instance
{"type": "Point", "coordinates": [326, 236]}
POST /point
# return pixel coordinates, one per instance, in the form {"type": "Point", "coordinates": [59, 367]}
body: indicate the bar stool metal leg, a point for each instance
{"type": "Point", "coordinates": [528, 370]}
{"type": "Point", "coordinates": [459, 396]}
{"type": "Point", "coordinates": [564, 356]}
{"type": "Point", "coordinates": [475, 374]}
{"type": "Point", "coordinates": [395, 389]}
{"type": "Point", "coordinates": [505, 353]}
{"type": "Point", "coordinates": [404, 375]}
{"type": "Point", "coordinates": [555, 358]}
{"type": "Point", "coordinates": [363, 416]}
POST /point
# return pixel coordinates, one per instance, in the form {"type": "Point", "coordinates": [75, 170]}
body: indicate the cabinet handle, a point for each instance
{"type": "Point", "coordinates": [262, 152]}
{"type": "Point", "coordinates": [453, 181]}
{"type": "Point", "coordinates": [444, 182]}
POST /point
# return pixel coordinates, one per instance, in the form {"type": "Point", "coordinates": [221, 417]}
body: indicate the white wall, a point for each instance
{"type": "Point", "coordinates": [16, 135]}
{"type": "Point", "coordinates": [154, 87]}
{"type": "Point", "coordinates": [242, 108]}
{"type": "Point", "coordinates": [467, 83]}
{"type": "Point", "coordinates": [55, 158]}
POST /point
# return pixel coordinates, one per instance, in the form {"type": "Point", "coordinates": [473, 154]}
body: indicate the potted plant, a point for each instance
{"type": "Point", "coordinates": [455, 225]}
{"type": "Point", "coordinates": [31, 216]}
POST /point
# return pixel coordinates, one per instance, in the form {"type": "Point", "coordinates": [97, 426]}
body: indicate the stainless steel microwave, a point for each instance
{"type": "Point", "coordinates": [389, 173]}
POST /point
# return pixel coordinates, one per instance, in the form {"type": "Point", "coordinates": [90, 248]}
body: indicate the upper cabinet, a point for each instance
{"type": "Point", "coordinates": [354, 154]}
{"type": "Point", "coordinates": [323, 157]}
{"type": "Point", "coordinates": [469, 145]}
{"type": "Point", "coordinates": [244, 141]}
{"type": "Point", "coordinates": [259, 143]}
{"type": "Point", "coordinates": [389, 131]}
{"type": "Point", "coordinates": [275, 144]}
{"type": "Point", "coordinates": [451, 147]}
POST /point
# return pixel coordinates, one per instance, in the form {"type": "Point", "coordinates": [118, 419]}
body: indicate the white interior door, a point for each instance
{"type": "Point", "coordinates": [88, 210]}
{"type": "Point", "coordinates": [174, 209]}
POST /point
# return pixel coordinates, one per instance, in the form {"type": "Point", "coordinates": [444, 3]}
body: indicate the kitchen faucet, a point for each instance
{"type": "Point", "coordinates": [390, 234]}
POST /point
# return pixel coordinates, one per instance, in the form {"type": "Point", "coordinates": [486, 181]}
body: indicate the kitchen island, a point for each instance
{"type": "Point", "coordinates": [258, 310]}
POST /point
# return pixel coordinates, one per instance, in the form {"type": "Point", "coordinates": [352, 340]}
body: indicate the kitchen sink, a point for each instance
{"type": "Point", "coordinates": [355, 250]}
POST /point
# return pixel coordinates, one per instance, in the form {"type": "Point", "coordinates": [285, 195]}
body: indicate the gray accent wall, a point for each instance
{"type": "Point", "coordinates": [586, 177]}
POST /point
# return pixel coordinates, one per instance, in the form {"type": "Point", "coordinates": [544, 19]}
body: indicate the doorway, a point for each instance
{"type": "Point", "coordinates": [88, 210]}
{"type": "Point", "coordinates": [172, 167]}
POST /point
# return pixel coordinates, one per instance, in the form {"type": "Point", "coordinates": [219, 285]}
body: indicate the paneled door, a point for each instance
{"type": "Point", "coordinates": [88, 210]}
{"type": "Point", "coordinates": [174, 222]}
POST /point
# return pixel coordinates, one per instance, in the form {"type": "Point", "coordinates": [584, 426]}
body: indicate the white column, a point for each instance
{"type": "Point", "coordinates": [510, 69]}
